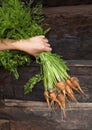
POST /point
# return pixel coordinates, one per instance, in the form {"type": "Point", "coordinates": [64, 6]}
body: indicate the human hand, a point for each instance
{"type": "Point", "coordinates": [34, 45]}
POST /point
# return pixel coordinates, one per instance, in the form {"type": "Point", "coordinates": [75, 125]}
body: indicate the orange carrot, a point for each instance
{"type": "Point", "coordinates": [70, 93]}
{"type": "Point", "coordinates": [46, 94]}
{"type": "Point", "coordinates": [61, 86]}
{"type": "Point", "coordinates": [53, 96]}
{"type": "Point", "coordinates": [61, 98]}
{"type": "Point", "coordinates": [70, 84]}
{"type": "Point", "coordinates": [76, 84]}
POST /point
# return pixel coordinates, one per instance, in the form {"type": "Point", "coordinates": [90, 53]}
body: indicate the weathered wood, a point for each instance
{"type": "Point", "coordinates": [14, 89]}
{"type": "Point", "coordinates": [72, 39]}
{"type": "Point", "coordinates": [70, 35]}
{"type": "Point", "coordinates": [39, 117]}
{"type": "Point", "coordinates": [79, 63]}
{"type": "Point", "coordinates": [49, 3]}
{"type": "Point", "coordinates": [32, 125]}
{"type": "Point", "coordinates": [43, 105]}
{"type": "Point", "coordinates": [4, 124]}
{"type": "Point", "coordinates": [23, 103]}
{"type": "Point", "coordinates": [1, 102]}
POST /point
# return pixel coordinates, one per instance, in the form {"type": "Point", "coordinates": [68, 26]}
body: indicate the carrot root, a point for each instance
{"type": "Point", "coordinates": [77, 85]}
{"type": "Point", "coordinates": [46, 94]}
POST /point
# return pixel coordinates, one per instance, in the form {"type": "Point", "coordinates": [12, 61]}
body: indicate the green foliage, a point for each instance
{"type": "Point", "coordinates": [18, 21]}
{"type": "Point", "coordinates": [10, 60]}
{"type": "Point", "coordinates": [53, 70]}
{"type": "Point", "coordinates": [32, 82]}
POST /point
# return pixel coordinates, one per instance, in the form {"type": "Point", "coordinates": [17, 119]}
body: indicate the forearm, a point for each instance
{"type": "Point", "coordinates": [31, 46]}
{"type": "Point", "coordinates": [6, 44]}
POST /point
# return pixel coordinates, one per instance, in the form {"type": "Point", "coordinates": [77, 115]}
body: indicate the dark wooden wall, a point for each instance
{"type": "Point", "coordinates": [71, 31]}
{"type": "Point", "coordinates": [54, 3]}
{"type": "Point", "coordinates": [10, 88]}
{"type": "Point", "coordinates": [70, 37]}
{"type": "Point", "coordinates": [51, 3]}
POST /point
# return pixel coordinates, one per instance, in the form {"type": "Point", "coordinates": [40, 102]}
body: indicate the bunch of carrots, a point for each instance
{"type": "Point", "coordinates": [59, 87]}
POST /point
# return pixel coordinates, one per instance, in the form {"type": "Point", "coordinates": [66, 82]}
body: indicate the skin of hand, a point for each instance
{"type": "Point", "coordinates": [33, 46]}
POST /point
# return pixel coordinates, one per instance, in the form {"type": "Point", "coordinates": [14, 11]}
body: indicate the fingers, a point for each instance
{"type": "Point", "coordinates": [41, 36]}
{"type": "Point", "coordinates": [47, 48]}
{"type": "Point", "coordinates": [45, 40]}
{"type": "Point", "coordinates": [47, 44]}
{"type": "Point", "coordinates": [40, 44]}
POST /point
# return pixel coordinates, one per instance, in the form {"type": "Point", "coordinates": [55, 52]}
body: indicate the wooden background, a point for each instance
{"type": "Point", "coordinates": [70, 37]}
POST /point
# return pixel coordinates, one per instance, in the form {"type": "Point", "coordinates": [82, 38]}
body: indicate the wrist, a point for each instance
{"type": "Point", "coordinates": [17, 45]}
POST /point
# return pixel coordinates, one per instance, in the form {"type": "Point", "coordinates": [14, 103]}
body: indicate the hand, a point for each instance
{"type": "Point", "coordinates": [34, 45]}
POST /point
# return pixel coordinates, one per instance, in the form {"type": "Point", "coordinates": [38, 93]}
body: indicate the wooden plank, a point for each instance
{"type": "Point", "coordinates": [1, 102]}
{"type": "Point", "coordinates": [11, 88]}
{"type": "Point", "coordinates": [39, 118]}
{"type": "Point", "coordinates": [2, 121]}
{"type": "Point", "coordinates": [78, 63]}
{"type": "Point", "coordinates": [4, 124]}
{"type": "Point", "coordinates": [38, 104]}
{"type": "Point", "coordinates": [61, 3]}
{"type": "Point", "coordinates": [32, 125]}
{"type": "Point", "coordinates": [81, 9]}
{"type": "Point", "coordinates": [23, 103]}
{"type": "Point", "coordinates": [34, 115]}
{"type": "Point", "coordinates": [17, 125]}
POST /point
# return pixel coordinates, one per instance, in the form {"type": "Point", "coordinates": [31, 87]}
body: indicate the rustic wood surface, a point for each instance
{"type": "Point", "coordinates": [71, 31]}
{"type": "Point", "coordinates": [70, 37]}
{"type": "Point", "coordinates": [50, 3]}
{"type": "Point", "coordinates": [43, 105]}
{"type": "Point", "coordinates": [14, 89]}
{"type": "Point", "coordinates": [26, 115]}
{"type": "Point", "coordinates": [65, 2]}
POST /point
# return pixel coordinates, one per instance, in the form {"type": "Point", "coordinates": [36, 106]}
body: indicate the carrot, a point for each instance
{"type": "Point", "coordinates": [61, 98]}
{"type": "Point", "coordinates": [61, 86]}
{"type": "Point", "coordinates": [46, 94]}
{"type": "Point", "coordinates": [53, 96]}
{"type": "Point", "coordinates": [70, 93]}
{"type": "Point", "coordinates": [69, 83]}
{"type": "Point", "coordinates": [76, 84]}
